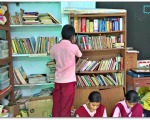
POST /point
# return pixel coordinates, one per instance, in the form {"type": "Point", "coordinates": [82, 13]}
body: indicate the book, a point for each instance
{"type": "Point", "coordinates": [116, 45]}
{"type": "Point", "coordinates": [87, 25]}
{"type": "Point", "coordinates": [82, 64]}
{"type": "Point", "coordinates": [19, 76]}
{"type": "Point", "coordinates": [33, 43]}
{"type": "Point", "coordinates": [83, 24]}
{"type": "Point", "coordinates": [37, 78]}
{"type": "Point", "coordinates": [54, 19]}
{"type": "Point", "coordinates": [91, 26]}
{"type": "Point", "coordinates": [23, 73]}
{"type": "Point", "coordinates": [85, 65]}
{"type": "Point", "coordinates": [76, 24]}
{"type": "Point", "coordinates": [95, 25]}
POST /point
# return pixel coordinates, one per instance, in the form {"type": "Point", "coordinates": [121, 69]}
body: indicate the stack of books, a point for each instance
{"type": "Point", "coordinates": [52, 68]}
{"type": "Point", "coordinates": [30, 18]}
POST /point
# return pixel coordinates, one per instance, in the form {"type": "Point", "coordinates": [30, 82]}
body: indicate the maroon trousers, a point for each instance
{"type": "Point", "coordinates": [63, 97]}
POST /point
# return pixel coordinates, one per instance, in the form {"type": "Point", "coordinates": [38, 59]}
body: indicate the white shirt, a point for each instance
{"type": "Point", "coordinates": [92, 113]}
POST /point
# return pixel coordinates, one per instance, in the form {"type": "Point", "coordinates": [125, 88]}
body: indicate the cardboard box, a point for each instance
{"type": "Point", "coordinates": [13, 109]}
{"type": "Point", "coordinates": [40, 106]}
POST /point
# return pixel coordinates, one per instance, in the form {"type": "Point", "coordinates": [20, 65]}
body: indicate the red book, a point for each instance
{"type": "Point", "coordinates": [4, 90]}
{"type": "Point", "coordinates": [83, 24]}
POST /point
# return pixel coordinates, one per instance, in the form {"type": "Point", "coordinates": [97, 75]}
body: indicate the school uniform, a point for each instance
{"type": "Point", "coordinates": [83, 111]}
{"type": "Point", "coordinates": [122, 110]}
{"type": "Point", "coordinates": [65, 79]}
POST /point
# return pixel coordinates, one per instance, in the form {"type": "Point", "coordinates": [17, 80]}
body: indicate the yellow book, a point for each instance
{"type": "Point", "coordinates": [14, 47]}
{"type": "Point", "coordinates": [108, 26]}
{"type": "Point", "coordinates": [94, 81]}
{"type": "Point", "coordinates": [91, 26]}
{"type": "Point", "coordinates": [87, 25]}
{"type": "Point", "coordinates": [17, 46]}
{"type": "Point", "coordinates": [76, 24]}
{"type": "Point", "coordinates": [108, 81]}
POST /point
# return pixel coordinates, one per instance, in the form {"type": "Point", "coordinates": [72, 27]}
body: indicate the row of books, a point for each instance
{"type": "Point", "coordinates": [32, 45]}
{"type": "Point", "coordinates": [115, 63]}
{"type": "Point", "coordinates": [83, 24]}
{"type": "Point", "coordinates": [20, 77]}
{"type": "Point", "coordinates": [113, 79]}
{"type": "Point", "coordinates": [86, 42]}
{"type": "Point", "coordinates": [30, 18]}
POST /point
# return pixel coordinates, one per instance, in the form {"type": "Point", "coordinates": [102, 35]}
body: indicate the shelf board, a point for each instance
{"type": "Point", "coordinates": [5, 92]}
{"type": "Point", "coordinates": [96, 72]}
{"type": "Point", "coordinates": [104, 49]}
{"type": "Point", "coordinates": [4, 61]}
{"type": "Point", "coordinates": [99, 15]}
{"type": "Point", "coordinates": [40, 25]}
{"type": "Point", "coordinates": [120, 31]}
{"type": "Point", "coordinates": [33, 85]}
{"type": "Point", "coordinates": [100, 87]}
{"type": "Point", "coordinates": [30, 55]}
{"type": "Point", "coordinates": [20, 55]}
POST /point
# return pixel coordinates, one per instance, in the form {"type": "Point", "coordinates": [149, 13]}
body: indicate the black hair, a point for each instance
{"type": "Point", "coordinates": [67, 32]}
{"type": "Point", "coordinates": [94, 96]}
{"type": "Point", "coordinates": [132, 96]}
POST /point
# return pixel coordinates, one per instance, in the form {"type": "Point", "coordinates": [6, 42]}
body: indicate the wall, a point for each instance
{"type": "Point", "coordinates": [65, 19]}
{"type": "Point", "coordinates": [138, 35]}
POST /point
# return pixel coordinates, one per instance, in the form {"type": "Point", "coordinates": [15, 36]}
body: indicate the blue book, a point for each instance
{"type": "Point", "coordinates": [99, 80]}
{"type": "Point", "coordinates": [32, 41]}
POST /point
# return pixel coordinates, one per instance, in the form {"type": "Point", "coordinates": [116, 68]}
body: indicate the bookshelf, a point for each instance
{"type": "Point", "coordinates": [34, 63]}
{"type": "Point", "coordinates": [7, 59]}
{"type": "Point", "coordinates": [110, 29]}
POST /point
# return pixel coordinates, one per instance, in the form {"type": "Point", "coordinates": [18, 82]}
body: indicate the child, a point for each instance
{"type": "Point", "coordinates": [144, 99]}
{"type": "Point", "coordinates": [93, 108]}
{"type": "Point", "coordinates": [64, 53]}
{"type": "Point", "coordinates": [128, 107]}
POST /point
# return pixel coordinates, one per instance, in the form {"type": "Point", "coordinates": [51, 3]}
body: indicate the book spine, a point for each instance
{"type": "Point", "coordinates": [76, 24]}
{"type": "Point", "coordinates": [83, 24]}
{"type": "Point", "coordinates": [95, 25]}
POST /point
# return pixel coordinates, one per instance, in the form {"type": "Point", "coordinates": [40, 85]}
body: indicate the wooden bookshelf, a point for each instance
{"type": "Point", "coordinates": [5, 61]}
{"type": "Point", "coordinates": [99, 54]}
{"type": "Point", "coordinates": [8, 60]}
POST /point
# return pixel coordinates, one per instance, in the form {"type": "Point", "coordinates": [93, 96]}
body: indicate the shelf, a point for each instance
{"type": "Point", "coordinates": [5, 92]}
{"type": "Point", "coordinates": [5, 61]}
{"type": "Point", "coordinates": [98, 15]}
{"type": "Point", "coordinates": [40, 25]}
{"type": "Point", "coordinates": [30, 55]}
{"type": "Point", "coordinates": [113, 49]}
{"type": "Point", "coordinates": [32, 85]}
{"type": "Point", "coordinates": [100, 32]}
{"type": "Point", "coordinates": [100, 87]}
{"type": "Point", "coordinates": [96, 72]}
